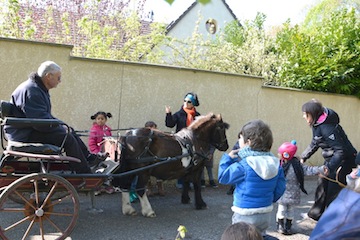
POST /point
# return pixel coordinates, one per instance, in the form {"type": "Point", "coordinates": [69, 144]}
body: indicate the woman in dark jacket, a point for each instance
{"type": "Point", "coordinates": [183, 117]}
{"type": "Point", "coordinates": [337, 151]}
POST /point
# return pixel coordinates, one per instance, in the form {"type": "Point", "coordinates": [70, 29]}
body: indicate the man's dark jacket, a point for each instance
{"type": "Point", "coordinates": [30, 99]}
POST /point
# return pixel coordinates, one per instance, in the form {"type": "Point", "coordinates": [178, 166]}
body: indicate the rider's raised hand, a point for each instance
{"type": "Point", "coordinates": [167, 109]}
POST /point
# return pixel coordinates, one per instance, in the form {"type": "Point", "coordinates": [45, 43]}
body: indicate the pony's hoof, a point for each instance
{"type": "Point", "coordinates": [149, 215]}
{"type": "Point", "coordinates": [130, 212]}
{"type": "Point", "coordinates": [201, 206]}
{"type": "Point", "coordinates": [185, 200]}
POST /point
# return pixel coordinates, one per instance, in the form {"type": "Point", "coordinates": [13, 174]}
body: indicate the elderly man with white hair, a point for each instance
{"type": "Point", "coordinates": [31, 99]}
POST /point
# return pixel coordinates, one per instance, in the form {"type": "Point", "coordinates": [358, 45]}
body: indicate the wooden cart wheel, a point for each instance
{"type": "Point", "coordinates": [27, 192]}
{"type": "Point", "coordinates": [15, 197]}
{"type": "Point", "coordinates": [49, 211]}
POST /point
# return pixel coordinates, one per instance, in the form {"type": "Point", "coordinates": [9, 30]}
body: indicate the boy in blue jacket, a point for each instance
{"type": "Point", "coordinates": [256, 173]}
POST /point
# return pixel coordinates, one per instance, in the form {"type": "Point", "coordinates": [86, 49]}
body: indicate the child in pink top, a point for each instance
{"type": "Point", "coordinates": [98, 131]}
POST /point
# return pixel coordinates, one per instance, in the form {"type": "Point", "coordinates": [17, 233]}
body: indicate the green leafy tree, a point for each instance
{"type": "Point", "coordinates": [325, 59]}
{"type": "Point", "coordinates": [324, 9]}
{"type": "Point", "coordinates": [321, 55]}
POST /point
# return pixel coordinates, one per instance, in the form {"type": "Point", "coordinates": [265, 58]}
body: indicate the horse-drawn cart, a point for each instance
{"type": "Point", "coordinates": [39, 194]}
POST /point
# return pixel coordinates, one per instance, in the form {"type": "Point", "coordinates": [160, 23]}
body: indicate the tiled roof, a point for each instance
{"type": "Point", "coordinates": [54, 31]}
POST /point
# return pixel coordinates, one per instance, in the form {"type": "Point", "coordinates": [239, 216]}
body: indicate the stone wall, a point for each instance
{"type": "Point", "coordinates": [135, 93]}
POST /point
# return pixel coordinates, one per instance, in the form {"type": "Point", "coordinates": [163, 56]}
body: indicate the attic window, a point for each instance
{"type": "Point", "coordinates": [211, 26]}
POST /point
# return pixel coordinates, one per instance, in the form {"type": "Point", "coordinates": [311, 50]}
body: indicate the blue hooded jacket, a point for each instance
{"type": "Point", "coordinates": [258, 177]}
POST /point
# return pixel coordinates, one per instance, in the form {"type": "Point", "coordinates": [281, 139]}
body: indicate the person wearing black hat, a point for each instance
{"type": "Point", "coordinates": [184, 117]}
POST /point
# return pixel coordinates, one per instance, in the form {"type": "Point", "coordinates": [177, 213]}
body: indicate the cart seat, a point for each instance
{"type": "Point", "coordinates": [39, 148]}
{"type": "Point", "coordinates": [8, 110]}
{"type": "Point", "coordinates": [13, 150]}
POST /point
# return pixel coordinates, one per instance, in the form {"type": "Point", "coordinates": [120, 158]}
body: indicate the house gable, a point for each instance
{"type": "Point", "coordinates": [214, 17]}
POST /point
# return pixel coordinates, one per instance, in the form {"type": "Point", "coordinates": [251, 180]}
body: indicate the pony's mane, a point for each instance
{"type": "Point", "coordinates": [200, 120]}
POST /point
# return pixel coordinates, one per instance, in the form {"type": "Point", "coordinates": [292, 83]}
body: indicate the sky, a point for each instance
{"type": "Point", "coordinates": [277, 11]}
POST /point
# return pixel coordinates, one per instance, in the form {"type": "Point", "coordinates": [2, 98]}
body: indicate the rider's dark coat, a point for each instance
{"type": "Point", "coordinates": [177, 119]}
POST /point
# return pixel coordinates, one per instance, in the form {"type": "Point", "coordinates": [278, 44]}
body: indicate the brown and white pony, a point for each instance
{"type": "Point", "coordinates": [148, 152]}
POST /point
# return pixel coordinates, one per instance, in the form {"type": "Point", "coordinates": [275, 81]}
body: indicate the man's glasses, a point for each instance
{"type": "Point", "coordinates": [188, 101]}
